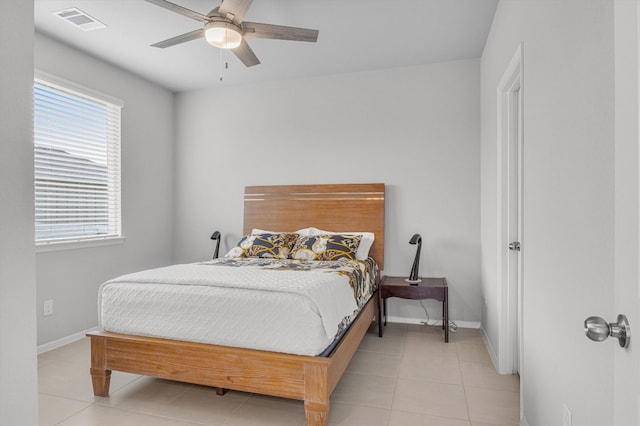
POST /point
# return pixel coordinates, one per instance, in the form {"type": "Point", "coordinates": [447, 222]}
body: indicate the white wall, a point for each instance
{"type": "Point", "coordinates": [72, 277]}
{"type": "Point", "coordinates": [568, 199]}
{"type": "Point", "coordinates": [18, 382]}
{"type": "Point", "coordinates": [416, 129]}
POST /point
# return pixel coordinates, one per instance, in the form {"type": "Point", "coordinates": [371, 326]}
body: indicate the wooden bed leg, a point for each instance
{"type": "Point", "coordinates": [100, 376]}
{"type": "Point", "coordinates": [221, 391]}
{"type": "Point", "coordinates": [316, 399]}
{"type": "Point", "coordinates": [101, 380]}
{"type": "Point", "coordinates": [316, 413]}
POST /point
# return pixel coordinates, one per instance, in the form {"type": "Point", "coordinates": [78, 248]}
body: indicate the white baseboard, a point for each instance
{"type": "Point", "coordinates": [65, 340]}
{"type": "Point", "coordinates": [492, 352]}
{"type": "Point", "coordinates": [461, 324]}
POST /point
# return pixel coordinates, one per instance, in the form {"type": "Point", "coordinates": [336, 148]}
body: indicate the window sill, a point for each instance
{"type": "Point", "coordinates": [78, 244]}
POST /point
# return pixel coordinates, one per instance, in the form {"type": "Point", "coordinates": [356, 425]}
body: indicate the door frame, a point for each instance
{"type": "Point", "coordinates": [510, 305]}
{"type": "Point", "coordinates": [626, 386]}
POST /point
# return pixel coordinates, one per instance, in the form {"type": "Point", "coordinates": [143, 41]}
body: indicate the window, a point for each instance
{"type": "Point", "coordinates": [77, 162]}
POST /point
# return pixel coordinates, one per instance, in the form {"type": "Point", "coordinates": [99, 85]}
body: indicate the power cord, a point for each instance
{"type": "Point", "coordinates": [453, 327]}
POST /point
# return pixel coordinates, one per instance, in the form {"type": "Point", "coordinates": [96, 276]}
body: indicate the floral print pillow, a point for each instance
{"type": "Point", "coordinates": [276, 246]}
{"type": "Point", "coordinates": [326, 247]}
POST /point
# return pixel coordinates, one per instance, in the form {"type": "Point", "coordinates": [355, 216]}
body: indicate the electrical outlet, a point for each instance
{"type": "Point", "coordinates": [48, 307]}
{"type": "Point", "coordinates": [566, 416]}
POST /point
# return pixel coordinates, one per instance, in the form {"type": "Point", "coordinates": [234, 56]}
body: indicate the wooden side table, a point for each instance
{"type": "Point", "coordinates": [428, 288]}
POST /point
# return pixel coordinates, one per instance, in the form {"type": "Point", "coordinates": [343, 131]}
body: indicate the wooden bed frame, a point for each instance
{"type": "Point", "coordinates": [352, 207]}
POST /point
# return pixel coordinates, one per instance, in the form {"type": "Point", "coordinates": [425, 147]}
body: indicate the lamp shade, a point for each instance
{"type": "Point", "coordinates": [216, 236]}
{"type": "Point", "coordinates": [222, 34]}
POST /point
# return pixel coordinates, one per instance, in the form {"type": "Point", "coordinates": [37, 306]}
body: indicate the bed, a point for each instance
{"type": "Point", "coordinates": [340, 207]}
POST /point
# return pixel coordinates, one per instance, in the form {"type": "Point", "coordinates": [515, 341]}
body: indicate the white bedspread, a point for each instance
{"type": "Point", "coordinates": [250, 306]}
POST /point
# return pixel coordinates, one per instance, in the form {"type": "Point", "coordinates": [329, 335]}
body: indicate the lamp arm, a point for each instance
{"type": "Point", "coordinates": [414, 275]}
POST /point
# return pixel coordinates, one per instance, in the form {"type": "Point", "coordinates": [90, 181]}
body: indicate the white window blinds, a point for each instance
{"type": "Point", "coordinates": [77, 163]}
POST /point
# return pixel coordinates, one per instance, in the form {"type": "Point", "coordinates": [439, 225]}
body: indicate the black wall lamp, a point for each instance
{"type": "Point", "coordinates": [414, 276]}
{"type": "Point", "coordinates": [216, 236]}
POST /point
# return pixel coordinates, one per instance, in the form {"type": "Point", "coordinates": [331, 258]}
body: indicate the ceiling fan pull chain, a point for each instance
{"type": "Point", "coordinates": [220, 64]}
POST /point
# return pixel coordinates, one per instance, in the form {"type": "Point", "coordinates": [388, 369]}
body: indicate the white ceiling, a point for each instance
{"type": "Point", "coordinates": [355, 35]}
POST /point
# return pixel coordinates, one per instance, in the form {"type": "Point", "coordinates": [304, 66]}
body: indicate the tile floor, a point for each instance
{"type": "Point", "coordinates": [409, 377]}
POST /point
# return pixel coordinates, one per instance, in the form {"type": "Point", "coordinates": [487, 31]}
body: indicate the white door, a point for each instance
{"type": "Point", "coordinates": [515, 211]}
{"type": "Point", "coordinates": [626, 396]}
{"type": "Point", "coordinates": [510, 211]}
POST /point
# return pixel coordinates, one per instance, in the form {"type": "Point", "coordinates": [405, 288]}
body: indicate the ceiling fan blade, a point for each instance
{"type": "Point", "coordinates": [245, 54]}
{"type": "Point", "coordinates": [238, 8]}
{"type": "Point", "coordinates": [191, 35]}
{"type": "Point", "coordinates": [279, 32]}
{"type": "Point", "coordinates": [181, 10]}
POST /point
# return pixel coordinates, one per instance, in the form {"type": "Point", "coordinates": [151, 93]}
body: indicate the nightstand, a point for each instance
{"type": "Point", "coordinates": [428, 288]}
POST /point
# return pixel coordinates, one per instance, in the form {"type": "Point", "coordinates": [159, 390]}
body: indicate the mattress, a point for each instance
{"type": "Point", "coordinates": [290, 306]}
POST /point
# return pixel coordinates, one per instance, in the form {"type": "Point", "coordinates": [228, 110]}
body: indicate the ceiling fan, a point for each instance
{"type": "Point", "coordinates": [224, 28]}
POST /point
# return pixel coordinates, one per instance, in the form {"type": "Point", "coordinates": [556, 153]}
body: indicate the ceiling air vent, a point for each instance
{"type": "Point", "coordinates": [79, 19]}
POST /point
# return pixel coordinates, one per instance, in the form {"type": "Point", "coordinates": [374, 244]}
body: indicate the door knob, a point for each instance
{"type": "Point", "coordinates": [514, 246]}
{"type": "Point", "coordinates": [597, 329]}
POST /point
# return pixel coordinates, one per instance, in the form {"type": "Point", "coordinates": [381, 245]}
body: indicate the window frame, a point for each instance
{"type": "Point", "coordinates": [73, 89]}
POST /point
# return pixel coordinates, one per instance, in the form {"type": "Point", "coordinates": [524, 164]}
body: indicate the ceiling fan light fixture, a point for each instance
{"type": "Point", "coordinates": [222, 34]}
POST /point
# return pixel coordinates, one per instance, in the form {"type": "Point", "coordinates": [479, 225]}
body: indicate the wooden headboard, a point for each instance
{"type": "Point", "coordinates": [339, 207]}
